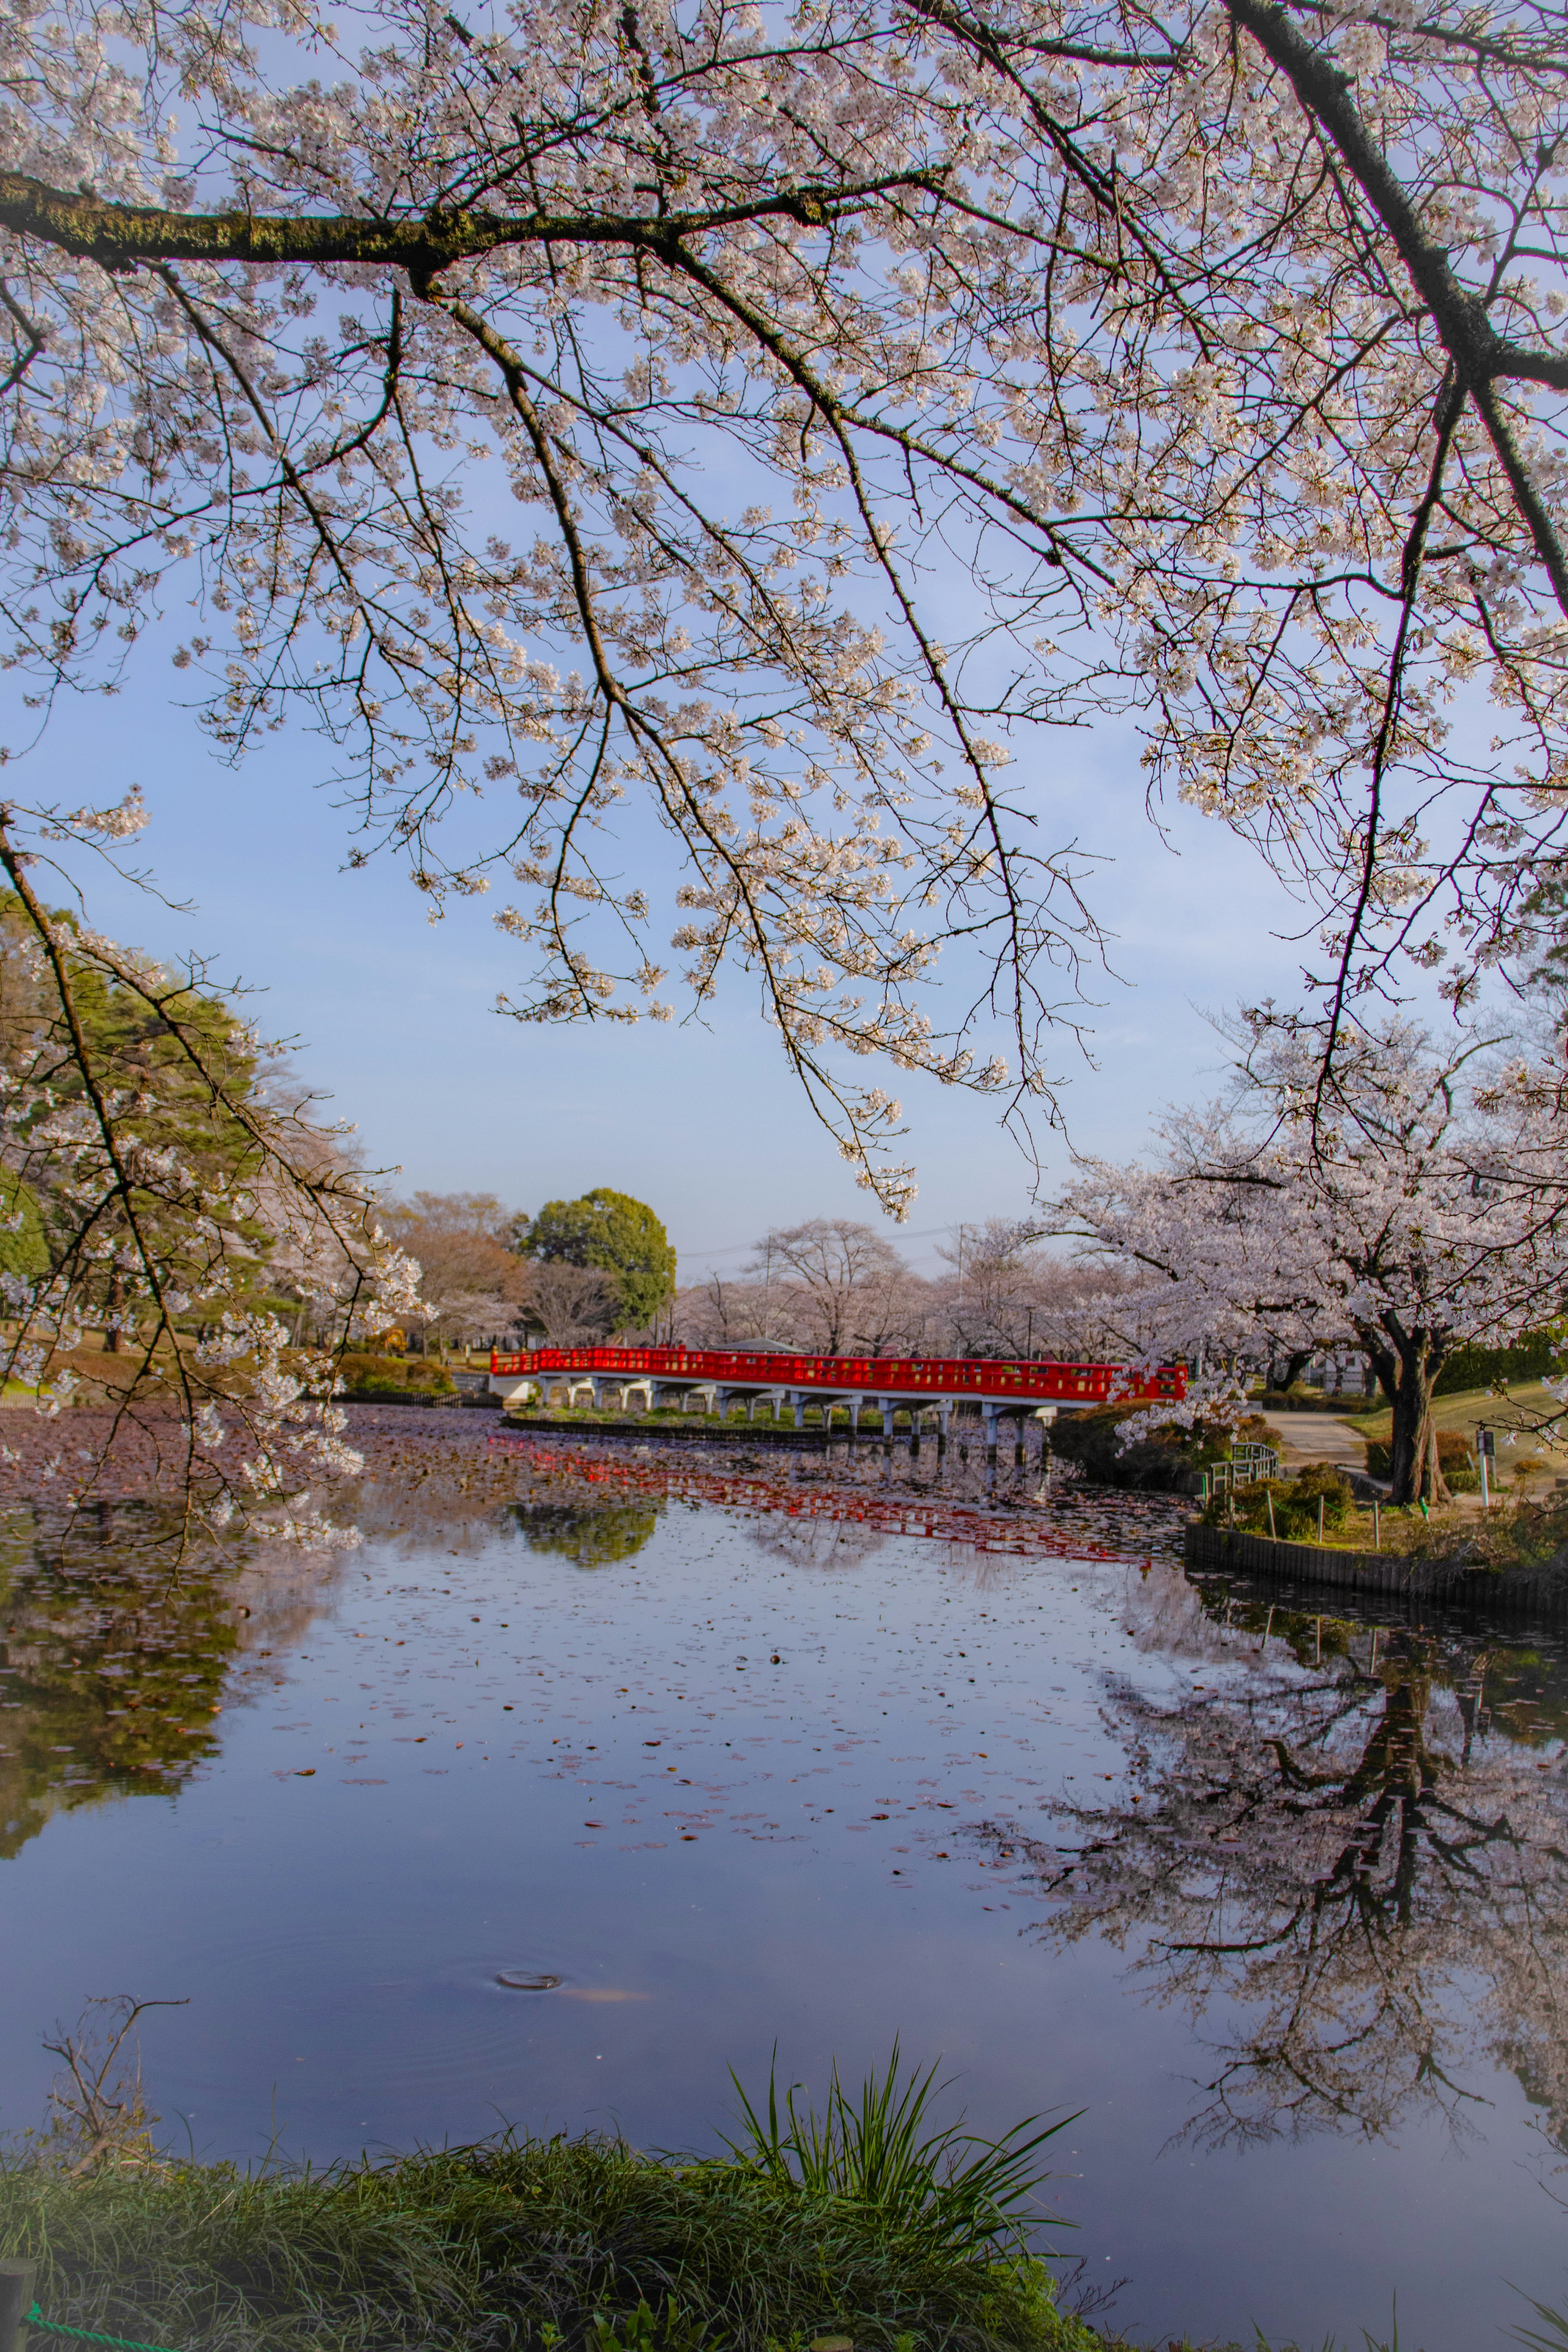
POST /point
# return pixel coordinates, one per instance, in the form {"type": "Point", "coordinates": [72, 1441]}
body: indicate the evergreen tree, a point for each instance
{"type": "Point", "coordinates": [617, 1236]}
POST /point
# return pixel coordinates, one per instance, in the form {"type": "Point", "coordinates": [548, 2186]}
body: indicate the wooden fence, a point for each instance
{"type": "Point", "coordinates": [1450, 1582]}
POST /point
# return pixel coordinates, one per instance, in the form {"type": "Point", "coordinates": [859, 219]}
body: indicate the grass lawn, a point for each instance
{"type": "Point", "coordinates": [1469, 1406]}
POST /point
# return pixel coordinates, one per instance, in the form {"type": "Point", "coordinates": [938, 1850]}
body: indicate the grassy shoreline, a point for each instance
{"type": "Point", "coordinates": [865, 2228]}
{"type": "Point", "coordinates": [560, 2245]}
{"type": "Point", "coordinates": [1521, 1536]}
{"type": "Point", "coordinates": [517, 2243]}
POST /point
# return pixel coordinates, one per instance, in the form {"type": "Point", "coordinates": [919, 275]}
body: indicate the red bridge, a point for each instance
{"type": "Point", "coordinates": [902, 1384]}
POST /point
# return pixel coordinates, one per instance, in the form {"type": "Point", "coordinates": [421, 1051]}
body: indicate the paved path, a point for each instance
{"type": "Point", "coordinates": [1317, 1437]}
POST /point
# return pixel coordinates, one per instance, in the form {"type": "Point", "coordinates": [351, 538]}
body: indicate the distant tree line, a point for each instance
{"type": "Point", "coordinates": [584, 1272]}
{"type": "Point", "coordinates": [577, 1271]}
{"type": "Point", "coordinates": [835, 1287]}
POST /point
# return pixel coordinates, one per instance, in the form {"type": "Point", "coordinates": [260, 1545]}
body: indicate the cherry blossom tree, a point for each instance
{"type": "Point", "coordinates": [830, 1285]}
{"type": "Point", "coordinates": [847, 1291]}
{"type": "Point", "coordinates": [761, 420]}
{"type": "Point", "coordinates": [1352, 1887]}
{"type": "Point", "coordinates": [574, 1306]}
{"type": "Point", "coordinates": [1420, 1201]}
{"type": "Point", "coordinates": [1008, 1296]}
{"type": "Point", "coordinates": [169, 1198]}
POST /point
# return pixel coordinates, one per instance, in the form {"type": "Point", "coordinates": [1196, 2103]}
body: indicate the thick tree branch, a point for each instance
{"type": "Point", "coordinates": [1481, 355]}
{"type": "Point", "coordinates": [1478, 352]}
{"type": "Point", "coordinates": [121, 237]}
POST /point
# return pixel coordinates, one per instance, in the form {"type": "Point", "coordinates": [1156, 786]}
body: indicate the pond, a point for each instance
{"type": "Point", "coordinates": [555, 1821]}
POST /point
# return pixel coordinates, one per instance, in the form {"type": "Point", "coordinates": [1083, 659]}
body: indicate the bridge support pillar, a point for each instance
{"type": "Point", "coordinates": [798, 1398]}
{"type": "Point", "coordinates": [943, 1416]}
{"type": "Point", "coordinates": [855, 1404]}
{"type": "Point", "coordinates": [885, 1407]}
{"type": "Point", "coordinates": [1045, 1414]}
{"type": "Point", "coordinates": [991, 1418]}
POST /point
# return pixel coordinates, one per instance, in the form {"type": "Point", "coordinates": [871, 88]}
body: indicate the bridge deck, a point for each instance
{"type": "Point", "coordinates": [991, 1382]}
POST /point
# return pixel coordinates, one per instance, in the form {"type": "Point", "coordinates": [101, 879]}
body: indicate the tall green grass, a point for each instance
{"type": "Point", "coordinates": [960, 2195]}
{"type": "Point", "coordinates": [866, 2223]}
{"type": "Point", "coordinates": [865, 2220]}
{"type": "Point", "coordinates": [1552, 2336]}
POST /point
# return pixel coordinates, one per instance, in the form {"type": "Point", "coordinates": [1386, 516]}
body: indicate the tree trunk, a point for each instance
{"type": "Point", "coordinates": [1296, 1364]}
{"type": "Point", "coordinates": [113, 1337]}
{"type": "Point", "coordinates": [1407, 1364]}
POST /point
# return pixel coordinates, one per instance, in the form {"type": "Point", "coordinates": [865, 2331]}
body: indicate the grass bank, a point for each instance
{"type": "Point", "coordinates": [866, 2223]}
{"type": "Point", "coordinates": [558, 2244]}
{"type": "Point", "coordinates": [1528, 1536]}
{"type": "Point", "coordinates": [862, 2230]}
{"type": "Point", "coordinates": [1522, 1532]}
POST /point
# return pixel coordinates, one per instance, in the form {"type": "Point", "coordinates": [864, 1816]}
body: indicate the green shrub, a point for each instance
{"type": "Point", "coordinates": [1162, 1459]}
{"type": "Point", "coordinates": [1301, 1496]}
{"type": "Point", "coordinates": [363, 1374]}
{"type": "Point", "coordinates": [1531, 1359]}
{"type": "Point", "coordinates": [356, 1367]}
{"type": "Point", "coordinates": [1295, 1504]}
{"type": "Point", "coordinates": [1454, 1459]}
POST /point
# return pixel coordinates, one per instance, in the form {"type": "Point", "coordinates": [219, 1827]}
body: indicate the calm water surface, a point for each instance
{"type": "Point", "coordinates": [1278, 1901]}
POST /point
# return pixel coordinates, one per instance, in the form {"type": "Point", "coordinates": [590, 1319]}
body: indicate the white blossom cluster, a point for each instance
{"type": "Point", "coordinates": [752, 424]}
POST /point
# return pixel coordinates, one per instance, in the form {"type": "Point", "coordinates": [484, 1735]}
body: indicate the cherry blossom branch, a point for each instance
{"type": "Point", "coordinates": [121, 236]}
{"type": "Point", "coordinates": [1480, 355]}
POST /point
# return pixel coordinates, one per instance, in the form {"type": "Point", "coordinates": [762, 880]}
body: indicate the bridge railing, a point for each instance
{"type": "Point", "coordinates": [1047, 1383]}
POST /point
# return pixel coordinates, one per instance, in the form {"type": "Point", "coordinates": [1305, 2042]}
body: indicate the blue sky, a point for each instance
{"type": "Point", "coordinates": [395, 1014]}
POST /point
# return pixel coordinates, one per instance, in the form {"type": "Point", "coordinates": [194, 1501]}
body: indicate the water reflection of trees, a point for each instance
{"type": "Point", "coordinates": [811, 1542]}
{"type": "Point", "coordinates": [1349, 1865]}
{"type": "Point", "coordinates": [590, 1535]}
{"type": "Point", "coordinates": [113, 1673]}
